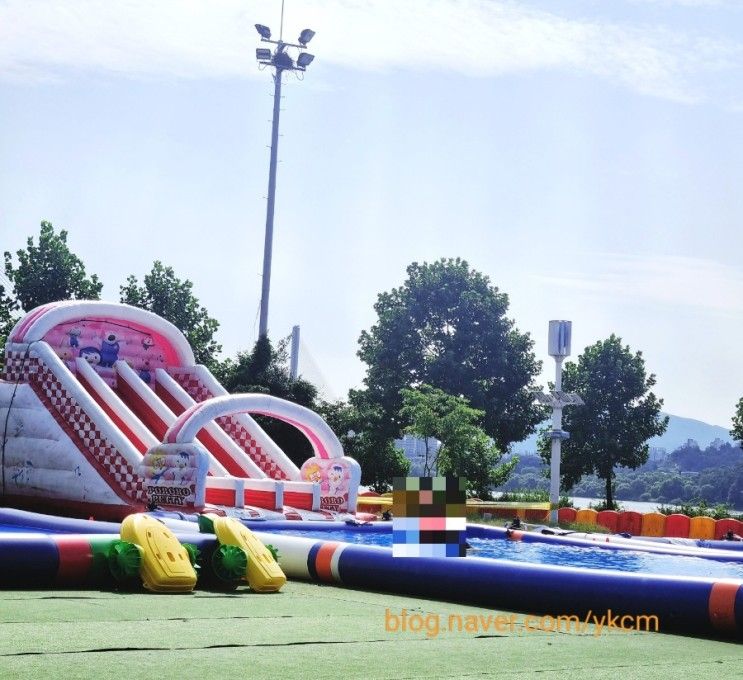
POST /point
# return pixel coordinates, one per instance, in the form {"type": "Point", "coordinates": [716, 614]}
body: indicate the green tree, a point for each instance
{"type": "Point", "coordinates": [446, 326]}
{"type": "Point", "coordinates": [163, 293]}
{"type": "Point", "coordinates": [672, 488]}
{"type": "Point", "coordinates": [734, 496]}
{"type": "Point", "coordinates": [264, 370]}
{"type": "Point", "coordinates": [49, 271]}
{"type": "Point", "coordinates": [464, 450]}
{"type": "Point", "coordinates": [8, 318]}
{"type": "Point", "coordinates": [737, 431]}
{"type": "Point", "coordinates": [356, 422]}
{"type": "Point", "coordinates": [619, 416]}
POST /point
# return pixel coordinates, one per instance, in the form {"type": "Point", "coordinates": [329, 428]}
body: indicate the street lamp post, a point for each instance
{"type": "Point", "coordinates": [281, 61]}
{"type": "Point", "coordinates": [558, 348]}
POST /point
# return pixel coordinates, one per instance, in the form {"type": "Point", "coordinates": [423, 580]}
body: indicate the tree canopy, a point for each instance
{"type": "Point", "coordinates": [737, 431]}
{"type": "Point", "coordinates": [163, 293]}
{"type": "Point", "coordinates": [265, 370]}
{"type": "Point", "coordinates": [357, 425]}
{"type": "Point", "coordinates": [49, 271]}
{"type": "Point", "coordinates": [465, 450]}
{"type": "Point", "coordinates": [8, 312]}
{"type": "Point", "coordinates": [717, 477]}
{"type": "Point", "coordinates": [620, 414]}
{"type": "Point", "coordinates": [446, 326]}
{"type": "Point", "coordinates": [8, 318]}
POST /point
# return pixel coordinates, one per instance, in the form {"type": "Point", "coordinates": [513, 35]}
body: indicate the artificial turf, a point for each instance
{"type": "Point", "coordinates": [314, 631]}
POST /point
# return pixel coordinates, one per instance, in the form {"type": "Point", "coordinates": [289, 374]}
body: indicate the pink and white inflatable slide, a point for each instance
{"type": "Point", "coordinates": [105, 412]}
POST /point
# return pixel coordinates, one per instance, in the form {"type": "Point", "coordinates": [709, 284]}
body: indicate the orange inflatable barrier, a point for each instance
{"type": "Point", "coordinates": [586, 516]}
{"type": "Point", "coordinates": [537, 515]}
{"type": "Point", "coordinates": [629, 522]}
{"type": "Point", "coordinates": [608, 519]}
{"type": "Point", "coordinates": [677, 526]}
{"type": "Point", "coordinates": [370, 507]}
{"type": "Point", "coordinates": [522, 513]}
{"type": "Point", "coordinates": [722, 526]}
{"type": "Point", "coordinates": [702, 527]}
{"type": "Point", "coordinates": [566, 515]}
{"type": "Point", "coordinates": [653, 524]}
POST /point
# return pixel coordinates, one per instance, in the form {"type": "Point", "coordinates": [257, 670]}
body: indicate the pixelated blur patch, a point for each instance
{"type": "Point", "coordinates": [428, 517]}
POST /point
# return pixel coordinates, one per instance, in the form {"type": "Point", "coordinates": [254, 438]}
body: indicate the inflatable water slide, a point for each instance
{"type": "Point", "coordinates": [105, 412]}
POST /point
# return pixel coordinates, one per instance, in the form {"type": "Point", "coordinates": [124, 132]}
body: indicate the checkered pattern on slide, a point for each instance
{"type": "Point", "coordinates": [200, 392]}
{"type": "Point", "coordinates": [16, 369]}
{"type": "Point", "coordinates": [53, 394]}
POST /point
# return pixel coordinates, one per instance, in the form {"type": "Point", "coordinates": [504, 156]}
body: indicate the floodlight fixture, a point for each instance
{"type": "Point", "coordinates": [263, 54]}
{"type": "Point", "coordinates": [281, 60]}
{"type": "Point", "coordinates": [263, 31]}
{"type": "Point", "coordinates": [305, 36]}
{"type": "Point", "coordinates": [305, 59]}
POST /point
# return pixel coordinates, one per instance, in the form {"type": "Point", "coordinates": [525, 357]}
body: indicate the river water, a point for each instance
{"type": "Point", "coordinates": [637, 506]}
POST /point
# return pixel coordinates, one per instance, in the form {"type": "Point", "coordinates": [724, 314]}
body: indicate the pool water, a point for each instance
{"type": "Point", "coordinates": [560, 555]}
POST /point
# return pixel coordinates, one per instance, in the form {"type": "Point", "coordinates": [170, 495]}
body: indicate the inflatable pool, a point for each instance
{"type": "Point", "coordinates": [692, 603]}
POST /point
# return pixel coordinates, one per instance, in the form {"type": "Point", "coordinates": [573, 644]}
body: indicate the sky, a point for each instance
{"type": "Point", "coordinates": [584, 154]}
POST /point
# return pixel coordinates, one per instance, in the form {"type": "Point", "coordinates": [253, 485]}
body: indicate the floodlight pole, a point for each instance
{"type": "Point", "coordinates": [268, 241]}
{"type": "Point", "coordinates": [280, 61]}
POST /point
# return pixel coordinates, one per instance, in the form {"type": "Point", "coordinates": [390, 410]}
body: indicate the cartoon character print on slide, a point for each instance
{"type": "Point", "coordinates": [335, 476]}
{"type": "Point", "coordinates": [175, 475]}
{"type": "Point", "coordinates": [103, 342]}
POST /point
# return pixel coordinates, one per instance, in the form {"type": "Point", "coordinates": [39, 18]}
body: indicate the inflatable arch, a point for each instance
{"type": "Point", "coordinates": [338, 475]}
{"type": "Point", "coordinates": [324, 442]}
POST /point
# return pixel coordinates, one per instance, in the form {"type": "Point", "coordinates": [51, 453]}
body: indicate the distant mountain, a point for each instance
{"type": "Point", "coordinates": [681, 429]}
{"type": "Point", "coordinates": [678, 432]}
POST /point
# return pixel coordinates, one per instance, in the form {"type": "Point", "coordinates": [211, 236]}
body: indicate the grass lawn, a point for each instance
{"type": "Point", "coordinates": [314, 631]}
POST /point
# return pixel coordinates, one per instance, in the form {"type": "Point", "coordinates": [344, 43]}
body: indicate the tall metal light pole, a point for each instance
{"type": "Point", "coordinates": [558, 348]}
{"type": "Point", "coordinates": [281, 61]}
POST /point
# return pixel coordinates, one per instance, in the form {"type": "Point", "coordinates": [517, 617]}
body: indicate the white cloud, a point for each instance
{"type": "Point", "coordinates": [686, 3]}
{"type": "Point", "coordinates": [664, 280]}
{"type": "Point", "coordinates": [43, 39]}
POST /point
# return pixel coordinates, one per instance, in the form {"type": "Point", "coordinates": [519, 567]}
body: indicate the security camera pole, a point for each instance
{"type": "Point", "coordinates": [558, 348]}
{"type": "Point", "coordinates": [281, 61]}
